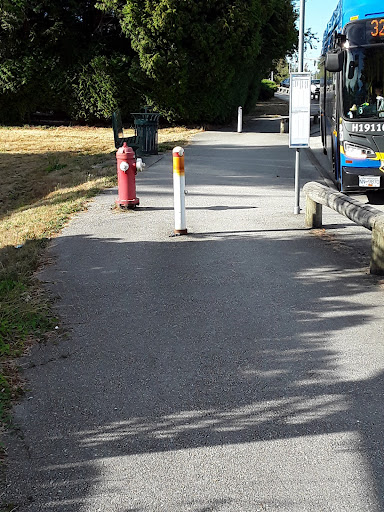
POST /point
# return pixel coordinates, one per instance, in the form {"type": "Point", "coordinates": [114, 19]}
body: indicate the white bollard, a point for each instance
{"type": "Point", "coordinates": [239, 119]}
{"type": "Point", "coordinates": [179, 190]}
{"type": "Point", "coordinates": [140, 165]}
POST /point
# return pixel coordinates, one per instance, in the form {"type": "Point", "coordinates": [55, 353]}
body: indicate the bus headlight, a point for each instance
{"type": "Point", "coordinates": [352, 150]}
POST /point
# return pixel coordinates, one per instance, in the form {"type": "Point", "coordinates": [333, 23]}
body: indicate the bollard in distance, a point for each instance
{"type": "Point", "coordinates": [240, 120]}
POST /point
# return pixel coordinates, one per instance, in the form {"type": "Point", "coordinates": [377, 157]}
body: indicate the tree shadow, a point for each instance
{"type": "Point", "coordinates": [182, 350]}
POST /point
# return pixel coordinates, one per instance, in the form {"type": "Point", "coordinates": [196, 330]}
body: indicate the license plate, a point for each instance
{"type": "Point", "coordinates": [369, 181]}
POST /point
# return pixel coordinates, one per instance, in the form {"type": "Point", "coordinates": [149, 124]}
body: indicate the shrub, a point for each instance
{"type": "Point", "coordinates": [267, 89]}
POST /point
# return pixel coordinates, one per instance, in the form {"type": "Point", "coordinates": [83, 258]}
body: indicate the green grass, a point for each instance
{"type": "Point", "coordinates": [25, 314]}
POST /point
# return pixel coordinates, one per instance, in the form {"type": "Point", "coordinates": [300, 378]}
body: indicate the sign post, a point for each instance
{"type": "Point", "coordinates": [299, 108]}
{"type": "Point", "coordinates": [299, 122]}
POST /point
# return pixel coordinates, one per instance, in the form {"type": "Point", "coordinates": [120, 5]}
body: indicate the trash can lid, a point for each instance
{"type": "Point", "coordinates": [148, 116]}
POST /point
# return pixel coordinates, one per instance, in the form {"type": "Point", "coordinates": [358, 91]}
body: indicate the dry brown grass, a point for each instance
{"type": "Point", "coordinates": [47, 173]}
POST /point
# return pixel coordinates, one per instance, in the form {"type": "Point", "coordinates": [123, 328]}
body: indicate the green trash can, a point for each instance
{"type": "Point", "coordinates": [146, 128]}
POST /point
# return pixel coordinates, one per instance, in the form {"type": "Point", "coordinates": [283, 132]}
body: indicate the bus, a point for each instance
{"type": "Point", "coordinates": [351, 95]}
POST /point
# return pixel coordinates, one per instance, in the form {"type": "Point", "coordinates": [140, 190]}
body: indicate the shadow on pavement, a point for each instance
{"type": "Point", "coordinates": [375, 197]}
{"type": "Point", "coordinates": [242, 355]}
{"type": "Point", "coordinates": [211, 208]}
{"type": "Point", "coordinates": [267, 125]}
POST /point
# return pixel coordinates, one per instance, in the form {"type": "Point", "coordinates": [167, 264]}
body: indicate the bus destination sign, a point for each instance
{"type": "Point", "coordinates": [362, 32]}
{"type": "Point", "coordinates": [377, 28]}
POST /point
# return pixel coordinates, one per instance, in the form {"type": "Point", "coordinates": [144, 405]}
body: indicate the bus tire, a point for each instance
{"type": "Point", "coordinates": [338, 177]}
{"type": "Point", "coordinates": [322, 134]}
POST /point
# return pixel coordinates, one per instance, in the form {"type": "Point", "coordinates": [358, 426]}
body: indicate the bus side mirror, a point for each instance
{"type": "Point", "coordinates": [334, 61]}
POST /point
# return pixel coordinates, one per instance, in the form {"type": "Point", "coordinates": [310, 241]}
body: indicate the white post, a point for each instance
{"type": "Point", "coordinates": [301, 36]}
{"type": "Point", "coordinates": [179, 191]}
{"type": "Point", "coordinates": [296, 209]}
{"type": "Point", "coordinates": [239, 120]}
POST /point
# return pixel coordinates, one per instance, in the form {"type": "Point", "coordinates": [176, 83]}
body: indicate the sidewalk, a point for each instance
{"type": "Point", "coordinates": [236, 369]}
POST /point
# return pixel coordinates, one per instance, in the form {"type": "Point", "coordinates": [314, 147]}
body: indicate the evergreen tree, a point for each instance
{"type": "Point", "coordinates": [61, 55]}
{"type": "Point", "coordinates": [200, 59]}
{"type": "Point", "coordinates": [194, 60]}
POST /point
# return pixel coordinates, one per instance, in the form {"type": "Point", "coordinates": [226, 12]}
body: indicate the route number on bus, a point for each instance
{"type": "Point", "coordinates": [377, 28]}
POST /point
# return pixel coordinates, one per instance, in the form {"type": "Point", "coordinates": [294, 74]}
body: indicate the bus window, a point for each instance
{"type": "Point", "coordinates": [363, 81]}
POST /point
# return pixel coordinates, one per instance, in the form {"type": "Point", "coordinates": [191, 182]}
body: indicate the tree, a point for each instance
{"type": "Point", "coordinates": [281, 70]}
{"type": "Point", "coordinates": [62, 55]}
{"type": "Point", "coordinates": [199, 59]}
{"type": "Point", "coordinates": [310, 39]}
{"type": "Point", "coordinates": [194, 60]}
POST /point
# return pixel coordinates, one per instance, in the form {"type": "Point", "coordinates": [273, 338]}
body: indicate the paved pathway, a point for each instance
{"type": "Point", "coordinates": [237, 369]}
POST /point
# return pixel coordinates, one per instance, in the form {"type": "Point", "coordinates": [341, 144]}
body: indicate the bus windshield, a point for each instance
{"type": "Point", "coordinates": [363, 81]}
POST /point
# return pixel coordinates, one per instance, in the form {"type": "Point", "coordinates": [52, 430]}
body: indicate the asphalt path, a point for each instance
{"type": "Point", "coordinates": [235, 369]}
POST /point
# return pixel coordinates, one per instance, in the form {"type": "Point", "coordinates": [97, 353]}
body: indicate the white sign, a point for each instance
{"type": "Point", "coordinates": [299, 110]}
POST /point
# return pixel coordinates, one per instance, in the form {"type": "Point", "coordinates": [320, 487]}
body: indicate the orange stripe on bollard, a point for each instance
{"type": "Point", "coordinates": [178, 161]}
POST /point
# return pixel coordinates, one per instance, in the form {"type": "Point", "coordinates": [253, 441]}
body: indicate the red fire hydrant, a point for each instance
{"type": "Point", "coordinates": [126, 177]}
